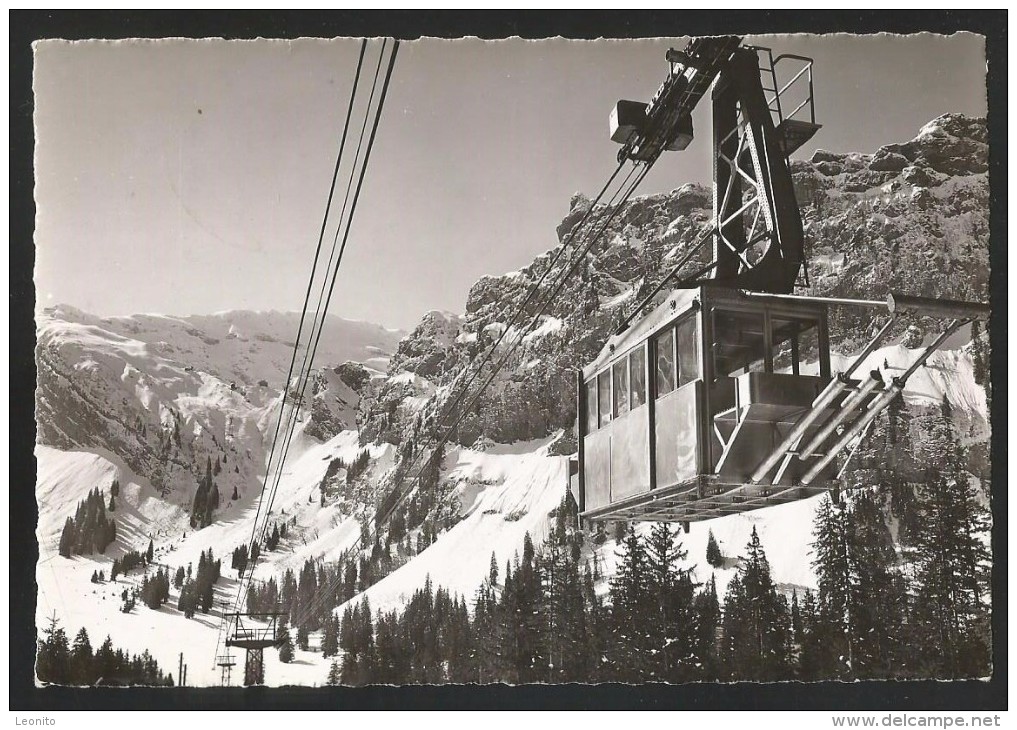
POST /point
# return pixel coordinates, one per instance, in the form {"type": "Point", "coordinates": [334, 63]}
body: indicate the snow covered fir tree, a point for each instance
{"type": "Point", "coordinates": [377, 517]}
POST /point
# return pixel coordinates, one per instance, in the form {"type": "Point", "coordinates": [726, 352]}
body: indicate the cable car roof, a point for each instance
{"type": "Point", "coordinates": [677, 302]}
{"type": "Point", "coordinates": [680, 301]}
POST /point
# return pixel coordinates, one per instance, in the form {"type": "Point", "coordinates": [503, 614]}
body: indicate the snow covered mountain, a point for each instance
{"type": "Point", "coordinates": [150, 401]}
{"type": "Point", "coordinates": [166, 393]}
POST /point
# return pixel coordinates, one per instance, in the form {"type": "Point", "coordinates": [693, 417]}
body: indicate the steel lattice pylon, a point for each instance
{"type": "Point", "coordinates": [254, 667]}
{"type": "Point", "coordinates": [758, 241]}
{"type": "Point", "coordinates": [226, 662]}
{"type": "Point", "coordinates": [254, 632]}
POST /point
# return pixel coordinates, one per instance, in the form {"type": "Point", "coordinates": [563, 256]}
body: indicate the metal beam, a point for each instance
{"type": "Point", "coordinates": [946, 308]}
{"type": "Point", "coordinates": [894, 303]}
{"type": "Point", "coordinates": [882, 401]}
{"type": "Point", "coordinates": [871, 347]}
{"type": "Point", "coordinates": [798, 298]}
{"type": "Point", "coordinates": [849, 406]}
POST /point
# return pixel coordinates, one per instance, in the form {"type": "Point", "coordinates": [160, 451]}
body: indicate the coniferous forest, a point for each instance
{"type": "Point", "coordinates": [541, 619]}
{"type": "Point", "coordinates": [61, 662]}
{"type": "Point", "coordinates": [90, 530]}
{"type": "Point", "coordinates": [902, 569]}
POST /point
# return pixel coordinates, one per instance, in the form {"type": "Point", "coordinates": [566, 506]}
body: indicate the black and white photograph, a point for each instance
{"type": "Point", "coordinates": [372, 360]}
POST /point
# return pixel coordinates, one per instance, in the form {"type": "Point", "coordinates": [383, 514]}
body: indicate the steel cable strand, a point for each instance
{"type": "Point", "coordinates": [450, 408]}
{"type": "Point", "coordinates": [307, 295]}
{"type": "Point", "coordinates": [294, 409]}
{"type": "Point", "coordinates": [360, 181]}
{"type": "Point", "coordinates": [310, 352]}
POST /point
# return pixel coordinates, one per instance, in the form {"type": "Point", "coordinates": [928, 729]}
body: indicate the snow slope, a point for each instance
{"type": "Point", "coordinates": [505, 492]}
{"type": "Point", "coordinates": [66, 589]}
{"type": "Point", "coordinates": [314, 532]}
{"type": "Point", "coordinates": [66, 477]}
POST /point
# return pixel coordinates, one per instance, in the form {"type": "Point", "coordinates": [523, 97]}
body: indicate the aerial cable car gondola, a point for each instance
{"type": "Point", "coordinates": [721, 398]}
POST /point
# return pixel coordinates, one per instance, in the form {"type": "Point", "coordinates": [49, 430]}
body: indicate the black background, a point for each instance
{"type": "Point", "coordinates": [27, 26]}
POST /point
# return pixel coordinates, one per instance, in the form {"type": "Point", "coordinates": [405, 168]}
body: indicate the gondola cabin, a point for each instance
{"type": "Point", "coordinates": [678, 411]}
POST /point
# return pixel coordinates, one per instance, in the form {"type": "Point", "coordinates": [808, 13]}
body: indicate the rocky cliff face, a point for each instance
{"type": "Point", "coordinates": [910, 217]}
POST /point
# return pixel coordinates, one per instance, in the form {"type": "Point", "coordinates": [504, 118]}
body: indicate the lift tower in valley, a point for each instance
{"type": "Point", "coordinates": [255, 632]}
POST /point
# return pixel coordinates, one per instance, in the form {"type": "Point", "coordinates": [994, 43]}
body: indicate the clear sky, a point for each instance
{"type": "Point", "coordinates": [189, 177]}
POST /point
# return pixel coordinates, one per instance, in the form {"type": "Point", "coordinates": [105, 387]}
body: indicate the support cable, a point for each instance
{"type": "Point", "coordinates": [307, 295]}
{"type": "Point", "coordinates": [352, 211]}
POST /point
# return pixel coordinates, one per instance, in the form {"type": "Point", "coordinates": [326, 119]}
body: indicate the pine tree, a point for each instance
{"type": "Point", "coordinates": [81, 659]}
{"type": "Point", "coordinates": [879, 593]}
{"type": "Point", "coordinates": [834, 626]}
{"type": "Point", "coordinates": [330, 639]}
{"type": "Point", "coordinates": [755, 621]}
{"type": "Point", "coordinates": [797, 631]}
{"type": "Point", "coordinates": [630, 609]}
{"type": "Point", "coordinates": [526, 643]}
{"type": "Point", "coordinates": [286, 645]}
{"type": "Point", "coordinates": [53, 657]}
{"type": "Point", "coordinates": [89, 530]}
{"type": "Point", "coordinates": [713, 554]}
{"type": "Point", "coordinates": [212, 504]}
{"type": "Point", "coordinates": [670, 630]}
{"type": "Point", "coordinates": [334, 674]}
{"type": "Point", "coordinates": [67, 539]}
{"type": "Point", "coordinates": [951, 617]}
{"type": "Point", "coordinates": [980, 354]}
{"type": "Point", "coordinates": [150, 552]}
{"type": "Point", "coordinates": [560, 602]}
{"type": "Point", "coordinates": [812, 655]}
{"type": "Point", "coordinates": [859, 621]}
{"type": "Point", "coordinates": [492, 573]}
{"type": "Point", "coordinates": [597, 622]}
{"type": "Point", "coordinates": [206, 499]}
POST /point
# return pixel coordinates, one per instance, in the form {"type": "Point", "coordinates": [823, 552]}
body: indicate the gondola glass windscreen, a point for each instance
{"type": "Point", "coordinates": [590, 389]}
{"type": "Point", "coordinates": [620, 376]}
{"type": "Point", "coordinates": [604, 397]}
{"type": "Point", "coordinates": [665, 362]}
{"type": "Point", "coordinates": [637, 376]}
{"type": "Point", "coordinates": [738, 343]}
{"type": "Point", "coordinates": [688, 351]}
